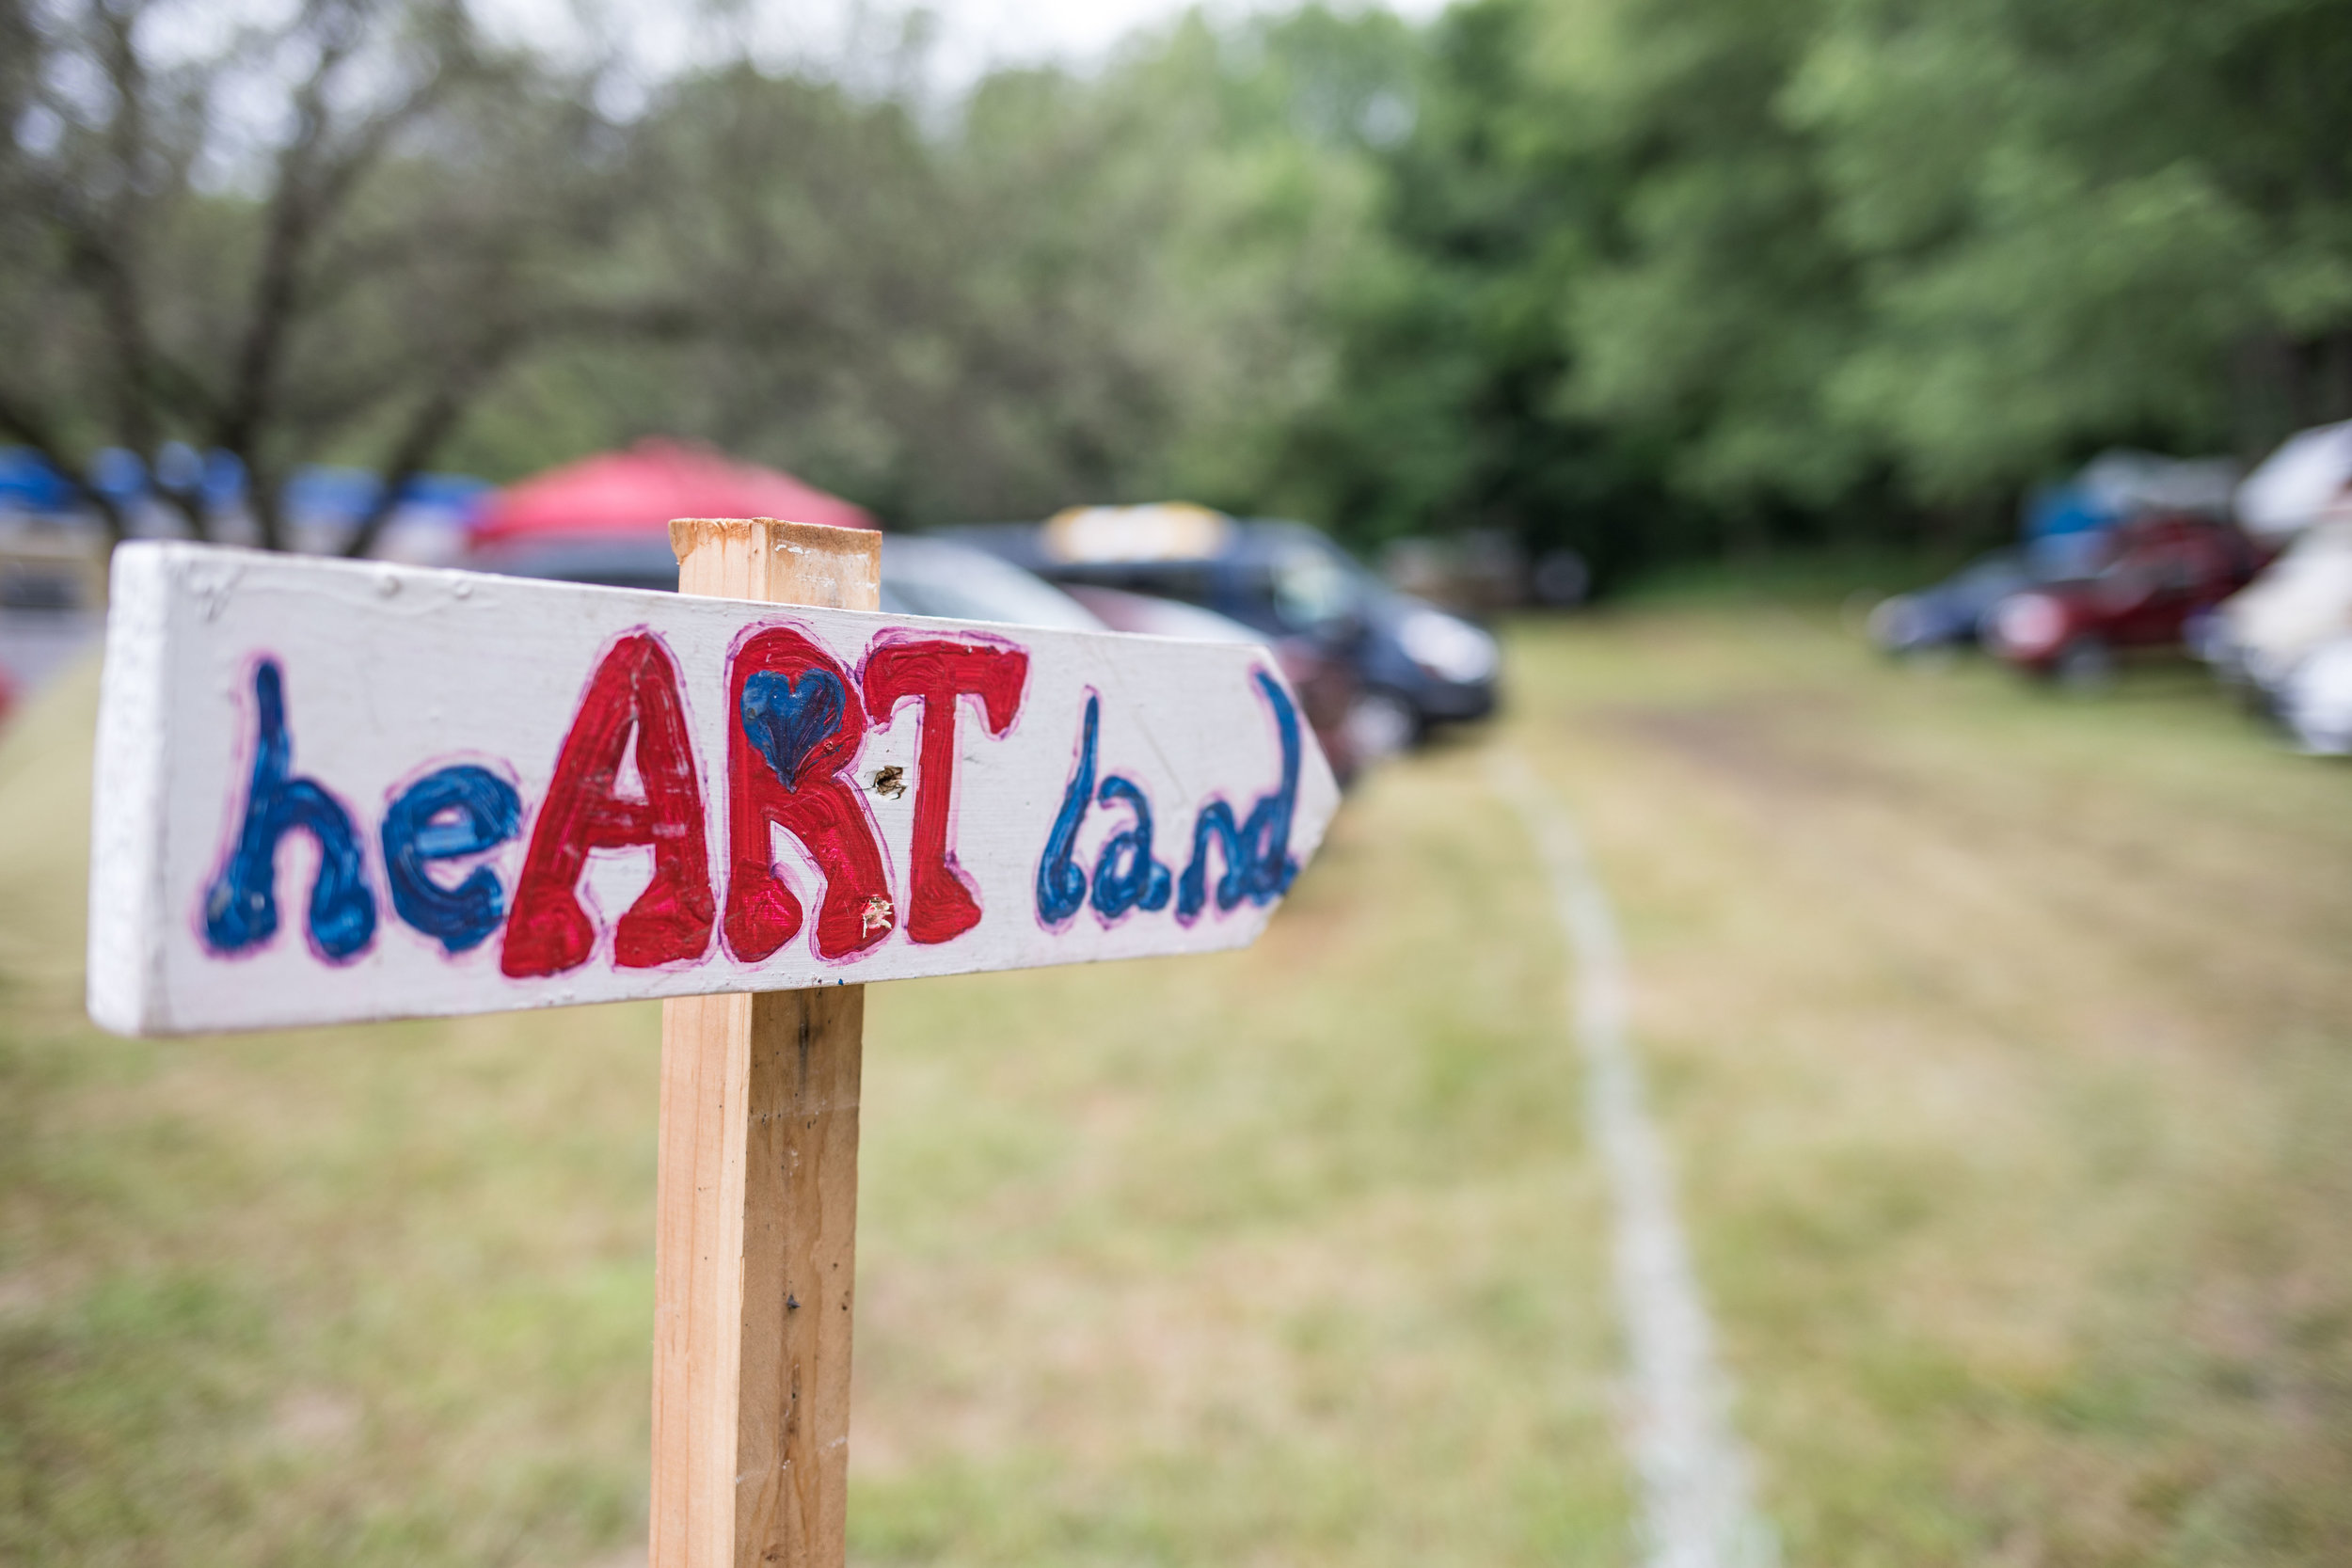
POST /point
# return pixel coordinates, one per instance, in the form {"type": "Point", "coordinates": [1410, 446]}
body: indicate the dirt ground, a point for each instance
{"type": "Point", "coordinates": [2000, 1039]}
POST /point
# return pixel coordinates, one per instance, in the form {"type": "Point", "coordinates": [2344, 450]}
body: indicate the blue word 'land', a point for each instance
{"type": "Point", "coordinates": [1259, 865]}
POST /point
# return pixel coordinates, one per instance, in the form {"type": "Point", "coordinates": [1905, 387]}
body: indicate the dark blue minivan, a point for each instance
{"type": "Point", "coordinates": [1419, 666]}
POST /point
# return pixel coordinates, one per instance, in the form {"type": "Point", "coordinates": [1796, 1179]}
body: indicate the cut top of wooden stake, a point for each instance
{"type": "Point", "coordinates": [778, 562]}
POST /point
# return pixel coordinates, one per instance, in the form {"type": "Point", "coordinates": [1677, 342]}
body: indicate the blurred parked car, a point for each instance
{"type": "Point", "coordinates": [938, 576]}
{"type": "Point", "coordinates": [1325, 684]}
{"type": "Point", "coordinates": [1953, 612]}
{"type": "Point", "coordinates": [2314, 701]}
{"type": "Point", "coordinates": [1481, 571]}
{"type": "Point", "coordinates": [920, 576]}
{"type": "Point", "coordinates": [2067, 525]}
{"type": "Point", "coordinates": [2303, 599]}
{"type": "Point", "coordinates": [616, 561]}
{"type": "Point", "coordinates": [2296, 485]}
{"type": "Point", "coordinates": [2153, 576]}
{"type": "Point", "coordinates": [924, 575]}
{"type": "Point", "coordinates": [1417, 665]}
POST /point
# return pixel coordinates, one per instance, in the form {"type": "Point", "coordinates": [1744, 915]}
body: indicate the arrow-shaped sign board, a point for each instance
{"type": "Point", "coordinates": [334, 791]}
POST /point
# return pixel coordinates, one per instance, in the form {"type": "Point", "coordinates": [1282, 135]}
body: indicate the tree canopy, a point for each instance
{"type": "Point", "coordinates": [1650, 278]}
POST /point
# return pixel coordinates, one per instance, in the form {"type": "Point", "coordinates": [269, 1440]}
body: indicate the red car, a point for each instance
{"type": "Point", "coordinates": [2156, 574]}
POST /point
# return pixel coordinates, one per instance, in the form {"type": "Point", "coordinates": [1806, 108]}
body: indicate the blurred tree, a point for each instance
{"type": "Point", "coordinates": [280, 238]}
{"type": "Point", "coordinates": [1647, 277]}
{"type": "Point", "coordinates": [1718, 304]}
{"type": "Point", "coordinates": [1664, 275]}
{"type": "Point", "coordinates": [1064, 288]}
{"type": "Point", "coordinates": [811, 230]}
{"type": "Point", "coordinates": [2084, 223]}
{"type": "Point", "coordinates": [1456, 344]}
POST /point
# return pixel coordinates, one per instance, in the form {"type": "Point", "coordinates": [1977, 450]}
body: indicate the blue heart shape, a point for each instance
{"type": "Point", "coordinates": [785, 719]}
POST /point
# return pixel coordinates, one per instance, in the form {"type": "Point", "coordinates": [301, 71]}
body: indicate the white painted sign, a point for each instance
{"type": "Point", "coordinates": [331, 791]}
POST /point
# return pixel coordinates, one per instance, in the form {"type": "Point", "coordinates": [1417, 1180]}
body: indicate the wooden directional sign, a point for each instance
{"type": "Point", "coordinates": [332, 791]}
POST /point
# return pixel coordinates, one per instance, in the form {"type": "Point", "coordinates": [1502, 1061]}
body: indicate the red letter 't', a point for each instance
{"type": "Point", "coordinates": [943, 903]}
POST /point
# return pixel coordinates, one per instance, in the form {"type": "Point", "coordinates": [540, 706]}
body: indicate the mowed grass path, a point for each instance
{"type": "Point", "coordinates": [2002, 1043]}
{"type": "Point", "coordinates": [1284, 1257]}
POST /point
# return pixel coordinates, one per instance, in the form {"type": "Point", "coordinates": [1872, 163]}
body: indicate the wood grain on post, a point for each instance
{"type": "Point", "coordinates": [755, 1240]}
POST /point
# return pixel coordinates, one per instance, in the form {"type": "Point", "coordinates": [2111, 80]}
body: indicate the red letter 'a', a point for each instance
{"type": "Point", "coordinates": [795, 725]}
{"type": "Point", "coordinates": [941, 900]}
{"type": "Point", "coordinates": [635, 688]}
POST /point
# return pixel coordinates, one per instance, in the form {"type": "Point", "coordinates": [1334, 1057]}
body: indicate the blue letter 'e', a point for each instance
{"type": "Point", "coordinates": [241, 906]}
{"type": "Point", "coordinates": [457, 811]}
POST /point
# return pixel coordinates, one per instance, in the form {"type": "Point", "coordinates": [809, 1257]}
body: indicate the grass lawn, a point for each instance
{"type": "Point", "coordinates": [2005, 1042]}
{"type": "Point", "coordinates": [1283, 1257]}
{"type": "Point", "coordinates": [2002, 1042]}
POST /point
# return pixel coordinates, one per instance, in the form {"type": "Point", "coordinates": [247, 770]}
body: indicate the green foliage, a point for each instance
{"type": "Point", "coordinates": [2073, 221]}
{"type": "Point", "coordinates": [1454, 339]}
{"type": "Point", "coordinates": [1072, 289]}
{"type": "Point", "coordinates": [1676, 273]}
{"type": "Point", "coordinates": [1658, 279]}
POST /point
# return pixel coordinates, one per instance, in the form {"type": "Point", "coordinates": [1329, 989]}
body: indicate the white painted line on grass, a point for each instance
{"type": "Point", "coordinates": [1695, 1507]}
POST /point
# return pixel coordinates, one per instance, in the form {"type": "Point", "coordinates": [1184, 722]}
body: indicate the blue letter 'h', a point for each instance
{"type": "Point", "coordinates": [241, 906]}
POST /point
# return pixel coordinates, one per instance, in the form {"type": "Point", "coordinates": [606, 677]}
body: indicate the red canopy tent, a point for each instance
{"type": "Point", "coordinates": [639, 490]}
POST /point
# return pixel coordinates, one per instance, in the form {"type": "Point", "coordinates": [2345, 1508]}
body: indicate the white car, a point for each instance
{"type": "Point", "coordinates": [2315, 701]}
{"type": "Point", "coordinates": [2264, 632]}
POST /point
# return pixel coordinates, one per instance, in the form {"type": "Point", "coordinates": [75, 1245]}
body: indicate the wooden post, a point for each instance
{"type": "Point", "coordinates": [754, 1248]}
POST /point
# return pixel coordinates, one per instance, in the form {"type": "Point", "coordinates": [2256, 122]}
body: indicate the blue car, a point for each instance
{"type": "Point", "coordinates": [1418, 667]}
{"type": "Point", "coordinates": [1952, 612]}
